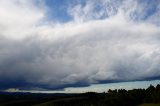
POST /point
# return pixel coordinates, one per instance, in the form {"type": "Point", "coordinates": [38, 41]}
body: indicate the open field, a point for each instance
{"type": "Point", "coordinates": [149, 104]}
{"type": "Point", "coordinates": [51, 103]}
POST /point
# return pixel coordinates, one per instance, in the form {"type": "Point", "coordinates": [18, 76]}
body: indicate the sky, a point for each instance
{"type": "Point", "coordinates": [79, 45]}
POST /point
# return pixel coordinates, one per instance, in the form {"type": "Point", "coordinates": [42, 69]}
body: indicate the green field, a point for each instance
{"type": "Point", "coordinates": [150, 104]}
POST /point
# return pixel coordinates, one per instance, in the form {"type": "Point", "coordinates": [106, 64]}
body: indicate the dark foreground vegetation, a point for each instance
{"type": "Point", "coordinates": [120, 97]}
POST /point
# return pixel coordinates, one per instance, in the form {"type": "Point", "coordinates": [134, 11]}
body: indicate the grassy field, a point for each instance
{"type": "Point", "coordinates": [52, 102]}
{"type": "Point", "coordinates": [149, 104]}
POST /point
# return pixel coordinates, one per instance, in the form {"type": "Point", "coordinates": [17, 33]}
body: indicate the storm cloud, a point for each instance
{"type": "Point", "coordinates": [113, 41]}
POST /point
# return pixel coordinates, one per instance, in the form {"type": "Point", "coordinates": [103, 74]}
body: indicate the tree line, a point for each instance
{"type": "Point", "coordinates": [117, 97]}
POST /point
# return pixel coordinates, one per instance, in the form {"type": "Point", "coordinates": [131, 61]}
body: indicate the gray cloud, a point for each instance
{"type": "Point", "coordinates": [78, 53]}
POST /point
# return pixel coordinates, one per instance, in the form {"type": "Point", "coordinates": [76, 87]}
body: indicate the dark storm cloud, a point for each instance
{"type": "Point", "coordinates": [84, 51]}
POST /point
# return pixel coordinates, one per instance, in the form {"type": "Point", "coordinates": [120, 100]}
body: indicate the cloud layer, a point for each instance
{"type": "Point", "coordinates": [107, 41]}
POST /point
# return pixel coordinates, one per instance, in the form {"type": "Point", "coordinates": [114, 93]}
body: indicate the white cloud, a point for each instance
{"type": "Point", "coordinates": [19, 18]}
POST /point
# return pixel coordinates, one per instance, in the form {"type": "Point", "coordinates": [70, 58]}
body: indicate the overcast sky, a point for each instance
{"type": "Point", "coordinates": [56, 44]}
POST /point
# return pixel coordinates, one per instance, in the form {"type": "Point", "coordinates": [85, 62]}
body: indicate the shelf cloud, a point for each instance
{"type": "Point", "coordinates": [105, 41]}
